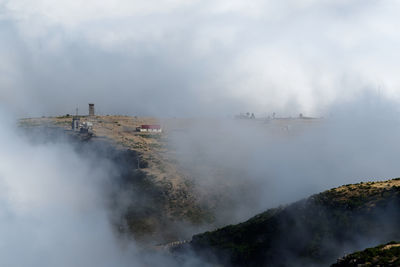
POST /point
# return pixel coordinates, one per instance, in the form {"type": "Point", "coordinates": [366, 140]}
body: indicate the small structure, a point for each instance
{"type": "Point", "coordinates": [245, 116]}
{"type": "Point", "coordinates": [86, 128]}
{"type": "Point", "coordinates": [91, 109]}
{"type": "Point", "coordinates": [75, 123]}
{"type": "Point", "coordinates": [151, 128]}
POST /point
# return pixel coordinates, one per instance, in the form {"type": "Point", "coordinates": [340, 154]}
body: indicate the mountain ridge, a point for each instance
{"type": "Point", "coordinates": [312, 232]}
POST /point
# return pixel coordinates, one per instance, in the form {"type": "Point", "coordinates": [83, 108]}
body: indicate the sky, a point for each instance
{"type": "Point", "coordinates": [172, 58]}
{"type": "Point", "coordinates": [195, 58]}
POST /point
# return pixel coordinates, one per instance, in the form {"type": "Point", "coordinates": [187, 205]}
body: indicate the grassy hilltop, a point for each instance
{"type": "Point", "coordinates": [383, 255]}
{"type": "Point", "coordinates": [313, 231]}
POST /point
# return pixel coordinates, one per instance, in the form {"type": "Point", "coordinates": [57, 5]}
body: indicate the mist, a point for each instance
{"type": "Point", "coordinates": [194, 58]}
{"type": "Point", "coordinates": [52, 210]}
{"type": "Point", "coordinates": [55, 200]}
{"type": "Point", "coordinates": [261, 164]}
{"type": "Point", "coordinates": [62, 202]}
{"type": "Point", "coordinates": [335, 61]}
{"type": "Point", "coordinates": [55, 206]}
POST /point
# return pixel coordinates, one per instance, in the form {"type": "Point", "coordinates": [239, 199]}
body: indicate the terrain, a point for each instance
{"type": "Point", "coordinates": [152, 199]}
{"type": "Point", "coordinates": [313, 231]}
{"type": "Point", "coordinates": [383, 255]}
{"type": "Point", "coordinates": [157, 199]}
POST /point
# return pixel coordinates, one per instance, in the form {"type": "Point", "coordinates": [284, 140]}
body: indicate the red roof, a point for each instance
{"type": "Point", "coordinates": [154, 126]}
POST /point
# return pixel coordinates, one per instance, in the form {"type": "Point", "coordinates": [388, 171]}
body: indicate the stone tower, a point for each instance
{"type": "Point", "coordinates": [91, 109]}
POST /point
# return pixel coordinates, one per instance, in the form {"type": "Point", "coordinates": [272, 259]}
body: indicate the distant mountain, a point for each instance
{"type": "Point", "coordinates": [383, 255]}
{"type": "Point", "coordinates": [311, 232]}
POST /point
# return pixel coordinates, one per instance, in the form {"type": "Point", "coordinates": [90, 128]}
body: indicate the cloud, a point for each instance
{"type": "Point", "coordinates": [196, 57]}
{"type": "Point", "coordinates": [53, 208]}
{"type": "Point", "coordinates": [254, 165]}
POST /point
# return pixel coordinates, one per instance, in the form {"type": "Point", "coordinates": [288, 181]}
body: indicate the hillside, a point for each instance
{"type": "Point", "coordinates": [154, 200]}
{"type": "Point", "coordinates": [313, 231]}
{"type": "Point", "coordinates": [383, 255]}
{"type": "Point", "coordinates": [167, 192]}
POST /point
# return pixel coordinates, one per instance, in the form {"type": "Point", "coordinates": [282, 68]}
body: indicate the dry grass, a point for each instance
{"type": "Point", "coordinates": [390, 246]}
{"type": "Point", "coordinates": [351, 189]}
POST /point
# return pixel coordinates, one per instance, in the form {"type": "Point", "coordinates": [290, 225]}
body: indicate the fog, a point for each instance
{"type": "Point", "coordinates": [209, 60]}
{"type": "Point", "coordinates": [260, 164]}
{"type": "Point", "coordinates": [52, 210]}
{"type": "Point", "coordinates": [57, 204]}
{"type": "Point", "coordinates": [194, 58]}
{"type": "Point", "coordinates": [54, 200]}
{"type": "Point", "coordinates": [54, 206]}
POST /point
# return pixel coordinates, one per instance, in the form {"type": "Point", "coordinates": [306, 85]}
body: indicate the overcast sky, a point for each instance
{"type": "Point", "coordinates": [195, 58]}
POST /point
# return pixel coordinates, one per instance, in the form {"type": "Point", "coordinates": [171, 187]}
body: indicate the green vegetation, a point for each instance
{"type": "Point", "coordinates": [151, 135]}
{"type": "Point", "coordinates": [63, 116]}
{"type": "Point", "coordinates": [383, 255]}
{"type": "Point", "coordinates": [311, 231]}
{"type": "Point", "coordinates": [156, 145]}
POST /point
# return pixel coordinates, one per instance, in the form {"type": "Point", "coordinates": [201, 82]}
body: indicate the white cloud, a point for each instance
{"type": "Point", "coordinates": [259, 54]}
{"type": "Point", "coordinates": [52, 207]}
